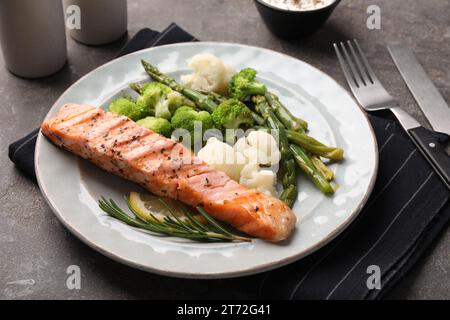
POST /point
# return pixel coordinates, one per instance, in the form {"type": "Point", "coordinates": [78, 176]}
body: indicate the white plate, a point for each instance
{"type": "Point", "coordinates": [72, 186]}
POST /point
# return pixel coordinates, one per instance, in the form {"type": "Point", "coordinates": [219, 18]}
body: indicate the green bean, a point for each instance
{"type": "Point", "coordinates": [284, 115]}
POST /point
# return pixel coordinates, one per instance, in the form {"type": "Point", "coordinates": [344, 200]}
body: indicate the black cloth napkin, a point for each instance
{"type": "Point", "coordinates": [408, 208]}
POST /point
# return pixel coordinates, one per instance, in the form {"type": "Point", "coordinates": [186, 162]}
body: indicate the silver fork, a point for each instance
{"type": "Point", "coordinates": [365, 85]}
{"type": "Point", "coordinates": [372, 96]}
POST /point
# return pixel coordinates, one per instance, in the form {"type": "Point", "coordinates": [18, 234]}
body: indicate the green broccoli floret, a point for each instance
{"type": "Point", "coordinates": [128, 108]}
{"type": "Point", "coordinates": [143, 104]}
{"type": "Point", "coordinates": [243, 84]}
{"type": "Point", "coordinates": [158, 125]}
{"type": "Point", "coordinates": [231, 114]}
{"type": "Point", "coordinates": [187, 118]}
{"type": "Point", "coordinates": [154, 98]}
{"type": "Point", "coordinates": [161, 100]}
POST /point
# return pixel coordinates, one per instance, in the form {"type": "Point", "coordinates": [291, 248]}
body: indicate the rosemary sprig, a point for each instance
{"type": "Point", "coordinates": [172, 225]}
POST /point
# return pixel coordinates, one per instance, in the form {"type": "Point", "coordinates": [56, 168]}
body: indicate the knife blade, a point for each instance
{"type": "Point", "coordinates": [422, 88]}
{"type": "Point", "coordinates": [430, 143]}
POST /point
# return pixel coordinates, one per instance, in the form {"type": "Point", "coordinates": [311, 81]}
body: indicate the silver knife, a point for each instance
{"type": "Point", "coordinates": [430, 143]}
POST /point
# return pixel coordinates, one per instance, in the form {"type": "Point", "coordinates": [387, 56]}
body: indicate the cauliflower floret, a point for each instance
{"type": "Point", "coordinates": [210, 74]}
{"type": "Point", "coordinates": [242, 162]}
{"type": "Point", "coordinates": [259, 147]}
{"type": "Point", "coordinates": [223, 157]}
{"type": "Point", "coordinates": [262, 180]}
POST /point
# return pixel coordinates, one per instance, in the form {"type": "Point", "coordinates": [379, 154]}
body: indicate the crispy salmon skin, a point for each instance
{"type": "Point", "coordinates": [166, 168]}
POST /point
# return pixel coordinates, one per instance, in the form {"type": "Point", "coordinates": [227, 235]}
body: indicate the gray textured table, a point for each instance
{"type": "Point", "coordinates": [35, 249]}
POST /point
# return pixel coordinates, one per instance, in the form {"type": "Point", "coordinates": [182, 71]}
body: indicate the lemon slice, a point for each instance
{"type": "Point", "coordinates": [146, 205]}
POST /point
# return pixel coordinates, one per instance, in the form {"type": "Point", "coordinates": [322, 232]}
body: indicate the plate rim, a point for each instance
{"type": "Point", "coordinates": [214, 275]}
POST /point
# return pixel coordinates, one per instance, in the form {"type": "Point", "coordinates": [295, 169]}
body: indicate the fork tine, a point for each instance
{"type": "Point", "coordinates": [351, 64]}
{"type": "Point", "coordinates": [351, 81]}
{"type": "Point", "coordinates": [365, 77]}
{"type": "Point", "coordinates": [371, 95]}
{"type": "Point", "coordinates": [367, 66]}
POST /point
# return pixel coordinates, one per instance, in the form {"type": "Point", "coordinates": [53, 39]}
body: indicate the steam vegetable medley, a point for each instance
{"type": "Point", "coordinates": [234, 123]}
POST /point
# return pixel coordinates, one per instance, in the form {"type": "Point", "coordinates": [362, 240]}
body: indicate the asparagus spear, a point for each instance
{"type": "Point", "coordinates": [308, 143]}
{"type": "Point", "coordinates": [289, 180]}
{"type": "Point", "coordinates": [306, 165]}
{"type": "Point", "coordinates": [284, 115]}
{"type": "Point", "coordinates": [296, 133]}
{"type": "Point", "coordinates": [203, 101]}
{"type": "Point", "coordinates": [314, 168]}
{"type": "Point", "coordinates": [157, 75]}
{"type": "Point", "coordinates": [136, 87]}
{"type": "Point", "coordinates": [218, 98]}
{"type": "Point", "coordinates": [322, 168]}
{"type": "Point", "coordinates": [258, 119]}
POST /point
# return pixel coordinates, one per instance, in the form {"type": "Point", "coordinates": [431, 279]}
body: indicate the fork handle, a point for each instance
{"type": "Point", "coordinates": [432, 145]}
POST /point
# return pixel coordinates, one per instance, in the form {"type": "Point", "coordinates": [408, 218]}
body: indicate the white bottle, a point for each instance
{"type": "Point", "coordinates": [32, 36]}
{"type": "Point", "coordinates": [100, 21]}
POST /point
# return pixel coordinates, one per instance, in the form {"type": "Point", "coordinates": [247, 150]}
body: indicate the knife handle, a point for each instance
{"type": "Point", "coordinates": [432, 145]}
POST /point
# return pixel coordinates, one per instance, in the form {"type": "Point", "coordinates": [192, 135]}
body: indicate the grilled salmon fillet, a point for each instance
{"type": "Point", "coordinates": [166, 168]}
